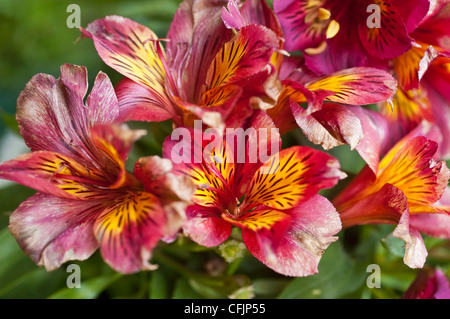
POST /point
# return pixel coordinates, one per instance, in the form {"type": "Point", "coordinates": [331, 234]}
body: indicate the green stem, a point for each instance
{"type": "Point", "coordinates": [189, 274]}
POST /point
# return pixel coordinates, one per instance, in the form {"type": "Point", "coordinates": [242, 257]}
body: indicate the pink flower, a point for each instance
{"type": "Point", "coordinates": [284, 222]}
{"type": "Point", "coordinates": [336, 35]}
{"type": "Point", "coordinates": [86, 198]}
{"type": "Point", "coordinates": [429, 284]}
{"type": "Point", "coordinates": [201, 73]}
{"type": "Point", "coordinates": [409, 189]}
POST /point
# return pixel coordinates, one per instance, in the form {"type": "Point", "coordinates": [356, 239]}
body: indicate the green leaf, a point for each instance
{"type": "Point", "coordinates": [394, 245]}
{"type": "Point", "coordinates": [159, 285]}
{"type": "Point", "coordinates": [89, 289]}
{"type": "Point", "coordinates": [183, 290]}
{"type": "Point", "coordinates": [339, 274]}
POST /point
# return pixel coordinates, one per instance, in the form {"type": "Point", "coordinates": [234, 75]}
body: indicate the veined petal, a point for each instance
{"type": "Point", "coordinates": [139, 103]}
{"type": "Point", "coordinates": [267, 226]}
{"type": "Point", "coordinates": [412, 12]}
{"type": "Point", "coordinates": [231, 16]}
{"type": "Point", "coordinates": [258, 220]}
{"type": "Point", "coordinates": [413, 170]}
{"type": "Point", "coordinates": [156, 174]}
{"type": "Point", "coordinates": [51, 114]}
{"type": "Point", "coordinates": [357, 86]}
{"type": "Point", "coordinates": [53, 230]}
{"type": "Point", "coordinates": [242, 57]}
{"type": "Point", "coordinates": [56, 174]}
{"type": "Point", "coordinates": [131, 49]}
{"type": "Point", "coordinates": [129, 229]}
{"type": "Point", "coordinates": [210, 167]}
{"type": "Point", "coordinates": [259, 12]}
{"type": "Point", "coordinates": [261, 139]}
{"type": "Point", "coordinates": [112, 145]}
{"type": "Point", "coordinates": [415, 250]}
{"type": "Point", "coordinates": [408, 110]}
{"type": "Point", "coordinates": [196, 34]}
{"type": "Point", "coordinates": [299, 247]}
{"type": "Point", "coordinates": [391, 39]}
{"type": "Point", "coordinates": [301, 25]}
{"type": "Point", "coordinates": [406, 67]}
{"type": "Point", "coordinates": [292, 176]}
{"type": "Point", "coordinates": [205, 226]}
{"type": "Point", "coordinates": [384, 206]}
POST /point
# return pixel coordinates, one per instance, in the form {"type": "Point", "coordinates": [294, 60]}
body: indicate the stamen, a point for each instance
{"type": "Point", "coordinates": [324, 14]}
{"type": "Point", "coordinates": [317, 50]}
{"type": "Point", "coordinates": [333, 29]}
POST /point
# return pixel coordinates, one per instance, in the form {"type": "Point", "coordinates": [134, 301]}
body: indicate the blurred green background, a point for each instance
{"type": "Point", "coordinates": [34, 38]}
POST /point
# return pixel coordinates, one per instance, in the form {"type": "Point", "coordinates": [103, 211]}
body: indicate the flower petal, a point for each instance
{"type": "Point", "coordinates": [263, 224]}
{"type": "Point", "coordinates": [196, 34]}
{"type": "Point", "coordinates": [132, 50]}
{"type": "Point", "coordinates": [413, 170]}
{"type": "Point", "coordinates": [299, 31]}
{"type": "Point", "coordinates": [391, 39]}
{"type": "Point", "coordinates": [139, 103]}
{"type": "Point", "coordinates": [205, 226]}
{"type": "Point", "coordinates": [129, 229]}
{"type": "Point", "coordinates": [357, 86]}
{"type": "Point", "coordinates": [243, 56]}
{"type": "Point", "coordinates": [261, 140]}
{"type": "Point", "coordinates": [51, 114]}
{"type": "Point", "coordinates": [384, 206]}
{"type": "Point", "coordinates": [415, 250]}
{"type": "Point", "coordinates": [210, 167]}
{"type": "Point", "coordinates": [53, 230]}
{"type": "Point", "coordinates": [412, 12]}
{"type": "Point", "coordinates": [292, 176]}
{"type": "Point", "coordinates": [53, 173]}
{"type": "Point", "coordinates": [314, 224]}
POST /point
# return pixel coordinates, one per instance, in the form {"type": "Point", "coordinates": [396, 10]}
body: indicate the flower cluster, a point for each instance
{"type": "Point", "coordinates": [234, 78]}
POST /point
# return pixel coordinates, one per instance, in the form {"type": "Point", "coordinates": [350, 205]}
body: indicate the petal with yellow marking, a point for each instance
{"type": "Point", "coordinates": [412, 169]}
{"type": "Point", "coordinates": [238, 59]}
{"type": "Point", "coordinates": [355, 86]}
{"type": "Point", "coordinates": [129, 229]}
{"type": "Point", "coordinates": [291, 176]}
{"type": "Point", "coordinates": [131, 49]}
{"type": "Point", "coordinates": [56, 174]}
{"type": "Point", "coordinates": [390, 38]}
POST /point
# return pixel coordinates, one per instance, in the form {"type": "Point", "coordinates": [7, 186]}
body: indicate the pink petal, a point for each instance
{"type": "Point", "coordinates": [415, 250]}
{"type": "Point", "coordinates": [263, 138]}
{"type": "Point", "coordinates": [53, 230]}
{"type": "Point", "coordinates": [52, 117]}
{"type": "Point", "coordinates": [231, 16]}
{"type": "Point", "coordinates": [259, 12]}
{"type": "Point", "coordinates": [391, 39]}
{"type": "Point", "coordinates": [129, 228]}
{"type": "Point", "coordinates": [412, 12]}
{"type": "Point", "coordinates": [138, 103]}
{"type": "Point", "coordinates": [205, 226]}
{"type": "Point", "coordinates": [313, 228]}
{"type": "Point", "coordinates": [298, 33]}
{"type": "Point", "coordinates": [196, 35]}
{"type": "Point", "coordinates": [51, 114]}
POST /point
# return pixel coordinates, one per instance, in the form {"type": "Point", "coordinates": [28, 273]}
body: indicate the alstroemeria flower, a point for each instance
{"type": "Point", "coordinates": [409, 190]}
{"type": "Point", "coordinates": [285, 223]}
{"type": "Point", "coordinates": [429, 284]}
{"type": "Point", "coordinates": [336, 35]}
{"type": "Point", "coordinates": [325, 120]}
{"type": "Point", "coordinates": [201, 72]}
{"type": "Point", "coordinates": [86, 198]}
{"type": "Point", "coordinates": [423, 74]}
{"type": "Point", "coordinates": [328, 108]}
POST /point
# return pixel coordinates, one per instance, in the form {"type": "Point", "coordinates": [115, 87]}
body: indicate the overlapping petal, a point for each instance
{"type": "Point", "coordinates": [408, 183]}
{"type": "Point", "coordinates": [86, 198]}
